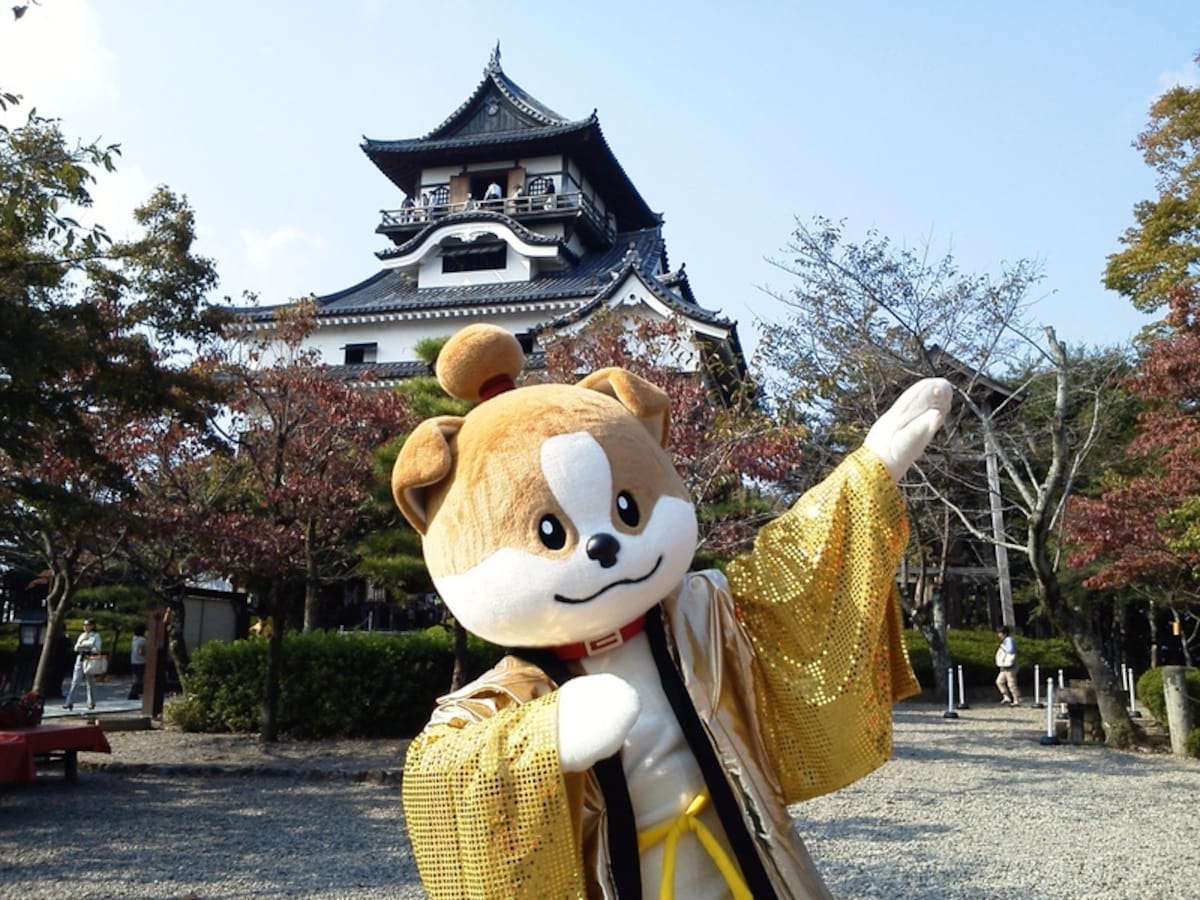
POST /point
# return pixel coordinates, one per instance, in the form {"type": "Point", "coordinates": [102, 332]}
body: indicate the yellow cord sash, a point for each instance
{"type": "Point", "coordinates": [672, 831]}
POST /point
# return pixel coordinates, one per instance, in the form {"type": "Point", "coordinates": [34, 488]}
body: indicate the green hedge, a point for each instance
{"type": "Point", "coordinates": [975, 651]}
{"type": "Point", "coordinates": [332, 685]}
{"type": "Point", "coordinates": [1150, 693]}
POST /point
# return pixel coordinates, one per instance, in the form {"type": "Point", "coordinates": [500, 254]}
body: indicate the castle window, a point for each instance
{"type": "Point", "coordinates": [357, 354]}
{"type": "Point", "coordinates": [474, 257]}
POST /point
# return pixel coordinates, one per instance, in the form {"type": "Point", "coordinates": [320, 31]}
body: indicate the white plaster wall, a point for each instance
{"type": "Point", "coordinates": [397, 340]}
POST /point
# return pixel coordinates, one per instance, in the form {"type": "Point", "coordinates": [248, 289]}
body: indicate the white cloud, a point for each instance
{"type": "Point", "coordinates": [281, 263]}
{"type": "Point", "coordinates": [1187, 75]}
{"type": "Point", "coordinates": [55, 58]}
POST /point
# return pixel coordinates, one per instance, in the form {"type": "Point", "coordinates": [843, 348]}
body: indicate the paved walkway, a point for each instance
{"type": "Point", "coordinates": [111, 695]}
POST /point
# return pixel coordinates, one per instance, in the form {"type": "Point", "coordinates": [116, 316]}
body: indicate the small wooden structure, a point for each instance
{"type": "Point", "coordinates": [1083, 711]}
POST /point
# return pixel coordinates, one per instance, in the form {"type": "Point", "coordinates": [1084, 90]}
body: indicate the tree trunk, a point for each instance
{"type": "Point", "coordinates": [273, 676]}
{"type": "Point", "coordinates": [459, 677]}
{"type": "Point", "coordinates": [929, 617]}
{"type": "Point", "coordinates": [1077, 624]}
{"type": "Point", "coordinates": [1110, 693]}
{"type": "Point", "coordinates": [311, 579]}
{"type": "Point", "coordinates": [1179, 627]}
{"type": "Point", "coordinates": [177, 648]}
{"type": "Point", "coordinates": [1152, 625]}
{"type": "Point", "coordinates": [927, 606]}
{"type": "Point", "coordinates": [938, 652]}
{"type": "Point", "coordinates": [56, 613]}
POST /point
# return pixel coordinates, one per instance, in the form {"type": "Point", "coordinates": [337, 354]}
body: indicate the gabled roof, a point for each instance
{"type": "Point", "coordinates": [517, 107]}
{"type": "Point", "coordinates": [998, 396]}
{"type": "Point", "coordinates": [502, 121]}
{"type": "Point", "coordinates": [682, 303]}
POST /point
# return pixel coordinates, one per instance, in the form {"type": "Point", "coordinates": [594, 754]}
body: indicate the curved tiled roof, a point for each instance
{"type": "Point", "coordinates": [390, 292]}
{"type": "Point", "coordinates": [474, 215]}
{"type": "Point", "coordinates": [525, 128]}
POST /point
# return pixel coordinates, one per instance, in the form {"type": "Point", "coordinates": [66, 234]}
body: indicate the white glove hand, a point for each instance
{"type": "Point", "coordinates": [595, 714]}
{"type": "Point", "coordinates": [902, 433]}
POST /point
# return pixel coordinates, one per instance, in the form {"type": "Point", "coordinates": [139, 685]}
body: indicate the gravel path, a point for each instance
{"type": "Point", "coordinates": [971, 808]}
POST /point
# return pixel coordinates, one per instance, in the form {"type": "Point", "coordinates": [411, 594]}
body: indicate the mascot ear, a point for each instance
{"type": "Point", "coordinates": [646, 402]}
{"type": "Point", "coordinates": [423, 461]}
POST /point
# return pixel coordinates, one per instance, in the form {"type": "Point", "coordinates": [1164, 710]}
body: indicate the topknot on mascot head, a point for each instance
{"type": "Point", "coordinates": [550, 513]}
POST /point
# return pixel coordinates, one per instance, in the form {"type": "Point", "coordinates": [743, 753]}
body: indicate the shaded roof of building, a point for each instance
{"type": "Point", "coordinates": [390, 291]}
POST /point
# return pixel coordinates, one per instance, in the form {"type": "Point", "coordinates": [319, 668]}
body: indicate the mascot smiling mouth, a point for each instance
{"type": "Point", "coordinates": [561, 599]}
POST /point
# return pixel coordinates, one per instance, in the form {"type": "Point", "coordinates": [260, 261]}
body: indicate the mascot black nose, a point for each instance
{"type": "Point", "coordinates": [603, 548]}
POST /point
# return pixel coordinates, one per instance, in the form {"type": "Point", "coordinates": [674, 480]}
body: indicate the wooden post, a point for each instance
{"type": "Point", "coordinates": [1179, 714]}
{"type": "Point", "coordinates": [154, 686]}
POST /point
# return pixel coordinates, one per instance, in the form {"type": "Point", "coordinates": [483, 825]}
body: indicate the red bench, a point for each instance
{"type": "Point", "coordinates": [22, 749]}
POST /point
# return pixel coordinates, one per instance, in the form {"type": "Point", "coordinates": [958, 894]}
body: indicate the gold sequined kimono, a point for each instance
{"type": "Point", "coordinates": [792, 666]}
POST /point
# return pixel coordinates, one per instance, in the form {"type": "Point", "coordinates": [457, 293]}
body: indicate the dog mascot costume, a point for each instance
{"type": "Point", "coordinates": [649, 726]}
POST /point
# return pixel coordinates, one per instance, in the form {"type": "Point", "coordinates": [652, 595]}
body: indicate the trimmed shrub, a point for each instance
{"type": "Point", "coordinates": [332, 685]}
{"type": "Point", "coordinates": [1193, 743]}
{"type": "Point", "coordinates": [1149, 689]}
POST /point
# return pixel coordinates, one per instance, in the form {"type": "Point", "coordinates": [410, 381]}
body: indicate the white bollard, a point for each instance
{"type": "Point", "coordinates": [1061, 684]}
{"type": "Point", "coordinates": [1129, 680]}
{"type": "Point", "coordinates": [950, 713]}
{"type": "Point", "coordinates": [1037, 687]}
{"type": "Point", "coordinates": [962, 691]}
{"type": "Point", "coordinates": [1050, 737]}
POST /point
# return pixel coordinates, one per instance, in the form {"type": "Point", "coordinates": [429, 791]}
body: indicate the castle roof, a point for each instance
{"type": "Point", "coordinates": [501, 120]}
{"type": "Point", "coordinates": [391, 292]}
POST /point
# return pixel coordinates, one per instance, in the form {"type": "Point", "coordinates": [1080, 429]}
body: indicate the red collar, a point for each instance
{"type": "Point", "coordinates": [600, 644]}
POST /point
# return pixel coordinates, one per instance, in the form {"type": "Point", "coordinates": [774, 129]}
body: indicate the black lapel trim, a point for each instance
{"type": "Point", "coordinates": [740, 839]}
{"type": "Point", "coordinates": [625, 869]}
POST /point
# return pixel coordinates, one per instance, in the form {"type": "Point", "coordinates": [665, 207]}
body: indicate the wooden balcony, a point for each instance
{"type": "Point", "coordinates": [527, 210]}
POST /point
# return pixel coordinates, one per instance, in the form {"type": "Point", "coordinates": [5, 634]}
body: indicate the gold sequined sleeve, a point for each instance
{"type": "Point", "coordinates": [487, 806]}
{"type": "Point", "coordinates": [817, 598]}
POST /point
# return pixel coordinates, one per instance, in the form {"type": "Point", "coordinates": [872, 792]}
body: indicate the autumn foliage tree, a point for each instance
{"type": "Point", "coordinates": [1142, 530]}
{"type": "Point", "coordinates": [90, 334]}
{"type": "Point", "coordinates": [1161, 252]}
{"type": "Point", "coordinates": [297, 488]}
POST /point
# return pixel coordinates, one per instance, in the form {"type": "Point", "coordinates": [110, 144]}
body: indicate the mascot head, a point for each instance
{"type": "Point", "coordinates": [551, 514]}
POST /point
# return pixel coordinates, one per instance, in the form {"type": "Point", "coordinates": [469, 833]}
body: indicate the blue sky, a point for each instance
{"type": "Point", "coordinates": [996, 131]}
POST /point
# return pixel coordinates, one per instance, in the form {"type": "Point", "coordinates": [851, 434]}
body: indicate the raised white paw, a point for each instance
{"type": "Point", "coordinates": [595, 713]}
{"type": "Point", "coordinates": [902, 433]}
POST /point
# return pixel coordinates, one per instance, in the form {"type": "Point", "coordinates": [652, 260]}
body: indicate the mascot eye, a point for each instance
{"type": "Point", "coordinates": [552, 533]}
{"type": "Point", "coordinates": [627, 509]}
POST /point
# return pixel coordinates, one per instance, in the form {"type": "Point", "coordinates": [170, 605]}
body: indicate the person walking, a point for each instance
{"type": "Point", "coordinates": [86, 645]}
{"type": "Point", "coordinates": [1006, 662]}
{"type": "Point", "coordinates": [137, 661]}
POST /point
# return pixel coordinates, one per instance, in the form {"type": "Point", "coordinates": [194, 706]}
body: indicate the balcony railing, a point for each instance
{"type": "Point", "coordinates": [520, 208]}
